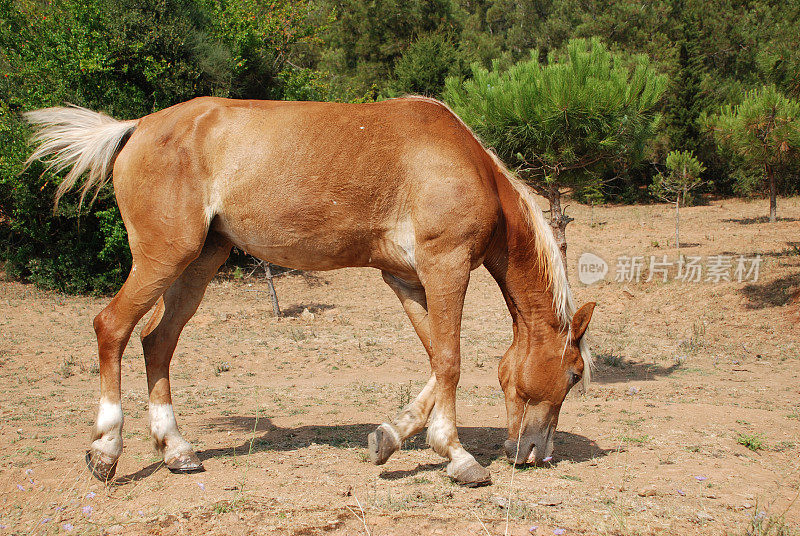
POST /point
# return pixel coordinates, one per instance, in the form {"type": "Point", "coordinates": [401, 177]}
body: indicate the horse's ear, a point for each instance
{"type": "Point", "coordinates": [580, 321]}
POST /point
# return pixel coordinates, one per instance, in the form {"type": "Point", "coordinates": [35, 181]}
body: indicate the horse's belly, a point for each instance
{"type": "Point", "coordinates": [326, 247]}
{"type": "Point", "coordinates": [292, 247]}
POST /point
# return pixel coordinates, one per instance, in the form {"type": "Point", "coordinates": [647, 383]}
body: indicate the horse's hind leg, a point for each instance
{"type": "Point", "coordinates": [147, 280]}
{"type": "Point", "coordinates": [386, 439]}
{"type": "Point", "coordinates": [159, 338]}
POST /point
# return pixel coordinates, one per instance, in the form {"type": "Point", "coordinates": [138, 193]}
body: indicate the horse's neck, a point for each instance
{"type": "Point", "coordinates": [521, 280]}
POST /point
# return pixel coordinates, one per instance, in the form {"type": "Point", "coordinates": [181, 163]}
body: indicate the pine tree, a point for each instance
{"type": "Point", "coordinates": [561, 124]}
{"type": "Point", "coordinates": [683, 176]}
{"type": "Point", "coordinates": [764, 132]}
{"type": "Point", "coordinates": [685, 102]}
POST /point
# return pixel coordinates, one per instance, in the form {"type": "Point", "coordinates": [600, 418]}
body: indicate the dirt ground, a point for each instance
{"type": "Point", "coordinates": [692, 425]}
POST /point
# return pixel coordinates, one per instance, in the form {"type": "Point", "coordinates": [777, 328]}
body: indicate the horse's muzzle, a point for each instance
{"type": "Point", "coordinates": [534, 447]}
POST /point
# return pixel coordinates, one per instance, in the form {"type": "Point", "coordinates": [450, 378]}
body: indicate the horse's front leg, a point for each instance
{"type": "Point", "coordinates": [445, 278]}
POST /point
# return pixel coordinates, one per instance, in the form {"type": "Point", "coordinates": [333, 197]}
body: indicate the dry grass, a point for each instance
{"type": "Point", "coordinates": [684, 371]}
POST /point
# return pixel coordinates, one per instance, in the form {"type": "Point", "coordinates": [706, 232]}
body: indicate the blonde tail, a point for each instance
{"type": "Point", "coordinates": [77, 138]}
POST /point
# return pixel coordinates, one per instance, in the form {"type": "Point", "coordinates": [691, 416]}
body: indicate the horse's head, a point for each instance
{"type": "Point", "coordinates": [536, 374]}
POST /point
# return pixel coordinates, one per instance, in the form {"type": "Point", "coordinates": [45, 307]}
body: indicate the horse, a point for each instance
{"type": "Point", "coordinates": [402, 185]}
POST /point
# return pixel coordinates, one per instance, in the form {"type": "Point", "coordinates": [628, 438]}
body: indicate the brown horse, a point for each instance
{"type": "Point", "coordinates": [402, 185]}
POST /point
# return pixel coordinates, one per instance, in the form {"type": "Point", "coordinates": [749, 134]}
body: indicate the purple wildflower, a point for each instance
{"type": "Point", "coordinates": [559, 531]}
{"type": "Point", "coordinates": [549, 458]}
{"type": "Point", "coordinates": [28, 471]}
{"type": "Point", "coordinates": [700, 478]}
{"type": "Point", "coordinates": [681, 493]}
{"type": "Point", "coordinates": [45, 520]}
{"type": "Point", "coordinates": [533, 529]}
{"type": "Point", "coordinates": [87, 510]}
{"type": "Point", "coordinates": [19, 487]}
{"type": "Point", "coordinates": [67, 526]}
{"type": "Point", "coordinates": [90, 495]}
{"type": "Point", "coordinates": [633, 390]}
{"type": "Point", "coordinates": [201, 486]}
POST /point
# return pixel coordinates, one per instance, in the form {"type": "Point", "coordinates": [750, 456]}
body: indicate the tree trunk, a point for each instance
{"type": "Point", "coordinates": [272, 294]}
{"type": "Point", "coordinates": [677, 223]}
{"type": "Point", "coordinates": [773, 203]}
{"type": "Point", "coordinates": [558, 222]}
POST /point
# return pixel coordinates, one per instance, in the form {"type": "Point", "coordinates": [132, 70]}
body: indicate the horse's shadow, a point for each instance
{"type": "Point", "coordinates": [622, 370]}
{"type": "Point", "coordinates": [263, 436]}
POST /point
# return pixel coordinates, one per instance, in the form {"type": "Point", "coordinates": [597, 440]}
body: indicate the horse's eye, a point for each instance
{"type": "Point", "coordinates": [574, 377]}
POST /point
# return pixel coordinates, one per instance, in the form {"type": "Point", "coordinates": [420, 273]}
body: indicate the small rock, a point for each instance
{"type": "Point", "coordinates": [704, 517]}
{"type": "Point", "coordinates": [307, 315]}
{"type": "Point", "coordinates": [549, 501]}
{"type": "Point", "coordinates": [710, 496]}
{"type": "Point", "coordinates": [333, 524]}
{"type": "Point", "coordinates": [647, 492]}
{"type": "Point", "coordinates": [499, 501]}
{"type": "Point", "coordinates": [747, 506]}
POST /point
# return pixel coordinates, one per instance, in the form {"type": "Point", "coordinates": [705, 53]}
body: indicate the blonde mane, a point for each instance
{"type": "Point", "coordinates": [547, 251]}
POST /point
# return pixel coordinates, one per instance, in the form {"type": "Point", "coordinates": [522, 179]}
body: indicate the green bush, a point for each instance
{"type": "Point", "coordinates": [425, 64]}
{"type": "Point", "coordinates": [129, 59]}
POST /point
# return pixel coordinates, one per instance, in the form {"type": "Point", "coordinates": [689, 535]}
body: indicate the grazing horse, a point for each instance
{"type": "Point", "coordinates": [403, 186]}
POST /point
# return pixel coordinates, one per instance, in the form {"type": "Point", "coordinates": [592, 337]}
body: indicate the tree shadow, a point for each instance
{"type": "Point", "coordinates": [485, 443]}
{"type": "Point", "coordinates": [616, 369]}
{"type": "Point", "coordinates": [295, 311]}
{"type": "Point", "coordinates": [776, 293]}
{"type": "Point", "coordinates": [792, 251]}
{"type": "Point", "coordinates": [759, 219]}
{"type": "Point", "coordinates": [690, 244]}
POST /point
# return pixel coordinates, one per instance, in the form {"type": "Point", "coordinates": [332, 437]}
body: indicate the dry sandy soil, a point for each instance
{"type": "Point", "coordinates": [689, 375]}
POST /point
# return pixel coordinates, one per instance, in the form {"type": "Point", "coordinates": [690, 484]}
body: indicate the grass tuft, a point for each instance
{"type": "Point", "coordinates": [753, 442]}
{"type": "Point", "coordinates": [762, 524]}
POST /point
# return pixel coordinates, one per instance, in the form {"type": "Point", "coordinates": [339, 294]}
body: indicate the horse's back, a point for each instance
{"type": "Point", "coordinates": [315, 185]}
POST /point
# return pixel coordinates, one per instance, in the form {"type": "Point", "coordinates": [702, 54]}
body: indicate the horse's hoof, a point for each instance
{"type": "Point", "coordinates": [469, 475]}
{"type": "Point", "coordinates": [383, 442]}
{"type": "Point", "coordinates": [185, 463]}
{"type": "Point", "coordinates": [100, 469]}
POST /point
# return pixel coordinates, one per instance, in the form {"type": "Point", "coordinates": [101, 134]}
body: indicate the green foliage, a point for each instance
{"type": "Point", "coordinates": [425, 64]}
{"type": "Point", "coordinates": [128, 59]}
{"type": "Point", "coordinates": [683, 176]}
{"type": "Point", "coordinates": [364, 40]}
{"type": "Point", "coordinates": [565, 123]}
{"type": "Point", "coordinates": [764, 129]}
{"type": "Point", "coordinates": [761, 136]}
{"type": "Point", "coordinates": [560, 124]}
